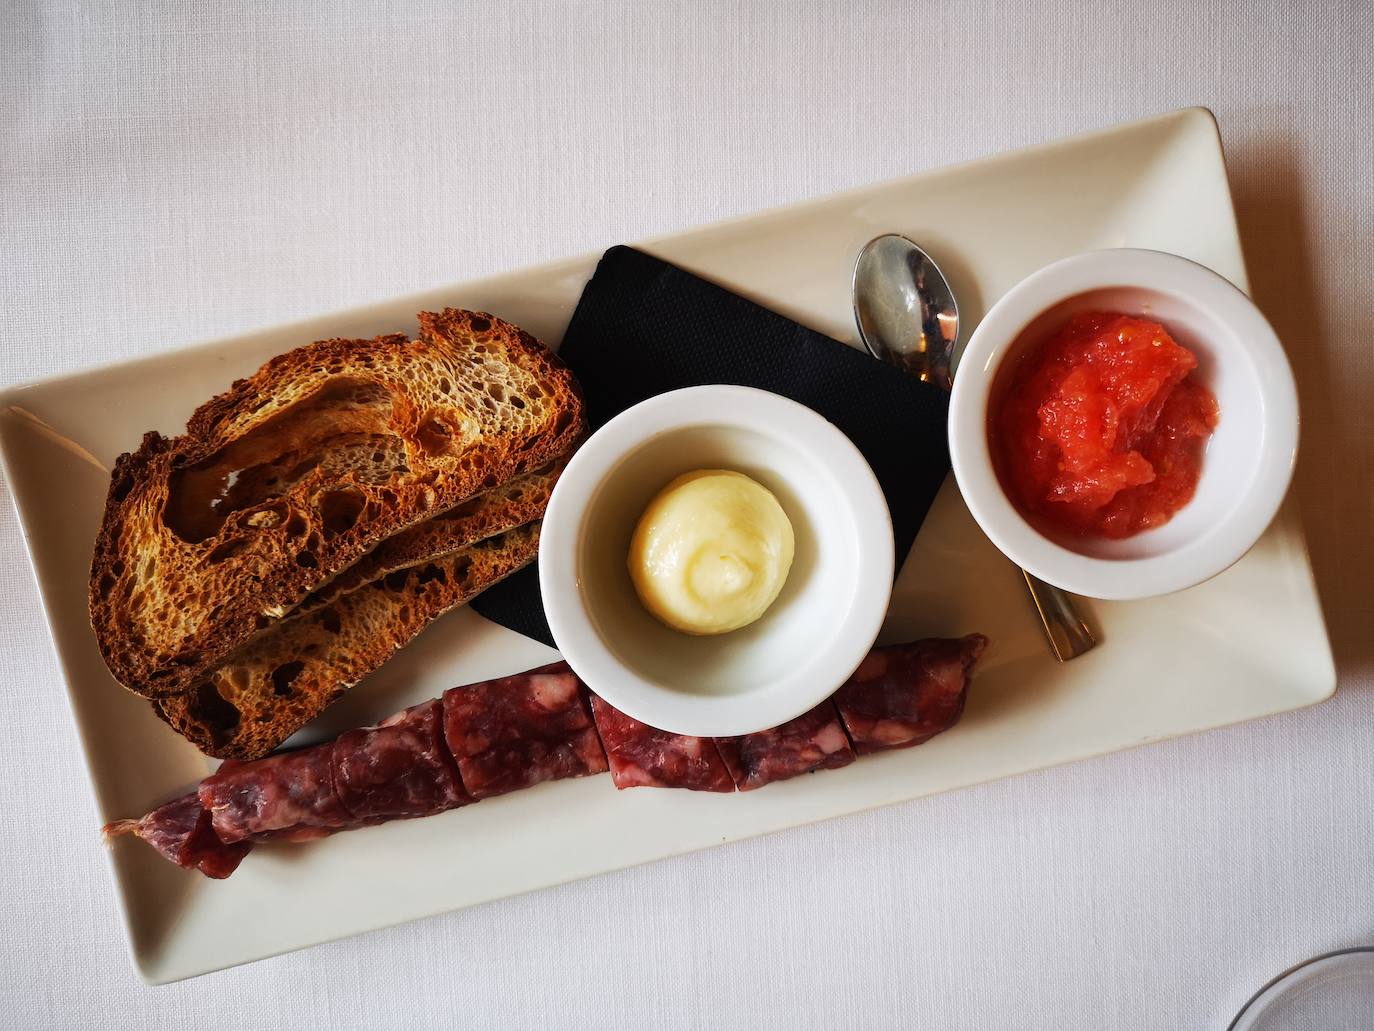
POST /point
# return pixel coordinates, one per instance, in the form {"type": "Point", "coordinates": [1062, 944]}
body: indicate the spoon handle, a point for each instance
{"type": "Point", "coordinates": [1069, 636]}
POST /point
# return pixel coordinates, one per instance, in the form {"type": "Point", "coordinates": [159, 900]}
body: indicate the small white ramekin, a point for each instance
{"type": "Point", "coordinates": [1249, 459]}
{"type": "Point", "coordinates": [810, 640]}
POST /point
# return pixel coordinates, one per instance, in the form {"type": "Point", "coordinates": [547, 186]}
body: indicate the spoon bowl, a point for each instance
{"type": "Point", "coordinates": [905, 309]}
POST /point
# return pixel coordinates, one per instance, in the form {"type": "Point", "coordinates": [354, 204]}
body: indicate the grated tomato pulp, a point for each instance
{"type": "Point", "coordinates": [1102, 428]}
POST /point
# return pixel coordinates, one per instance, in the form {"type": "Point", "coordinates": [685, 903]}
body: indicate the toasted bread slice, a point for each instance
{"type": "Point", "coordinates": [299, 470]}
{"type": "Point", "coordinates": [277, 683]}
{"type": "Point", "coordinates": [503, 508]}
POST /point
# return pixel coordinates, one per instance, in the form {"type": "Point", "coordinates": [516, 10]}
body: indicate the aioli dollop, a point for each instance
{"type": "Point", "coordinates": [711, 552]}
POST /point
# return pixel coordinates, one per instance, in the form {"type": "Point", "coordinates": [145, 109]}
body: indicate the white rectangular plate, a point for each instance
{"type": "Point", "coordinates": [1249, 643]}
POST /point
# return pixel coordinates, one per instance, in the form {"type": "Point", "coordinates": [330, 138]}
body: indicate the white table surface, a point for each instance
{"type": "Point", "coordinates": [171, 172]}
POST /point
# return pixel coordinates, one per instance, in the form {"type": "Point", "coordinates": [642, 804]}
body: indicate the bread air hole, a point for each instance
{"type": "Point", "coordinates": [434, 436]}
{"type": "Point", "coordinates": [210, 709]}
{"type": "Point", "coordinates": [339, 509]}
{"type": "Point", "coordinates": [432, 572]}
{"type": "Point", "coordinates": [122, 487]}
{"type": "Point", "coordinates": [462, 511]}
{"type": "Point", "coordinates": [283, 676]}
{"type": "Point", "coordinates": [270, 515]}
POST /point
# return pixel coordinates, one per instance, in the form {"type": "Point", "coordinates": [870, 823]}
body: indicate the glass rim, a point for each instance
{"type": "Point", "coordinates": [1283, 975]}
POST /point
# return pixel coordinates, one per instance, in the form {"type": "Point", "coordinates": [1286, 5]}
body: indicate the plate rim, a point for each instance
{"type": "Point", "coordinates": [153, 969]}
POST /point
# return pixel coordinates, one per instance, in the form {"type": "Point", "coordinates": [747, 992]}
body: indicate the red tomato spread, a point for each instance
{"type": "Point", "coordinates": [1101, 428]}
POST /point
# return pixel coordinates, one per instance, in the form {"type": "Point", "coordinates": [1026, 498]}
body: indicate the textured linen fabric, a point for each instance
{"type": "Point", "coordinates": [175, 171]}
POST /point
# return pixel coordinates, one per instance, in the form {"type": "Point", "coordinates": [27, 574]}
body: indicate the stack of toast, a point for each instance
{"type": "Point", "coordinates": [317, 515]}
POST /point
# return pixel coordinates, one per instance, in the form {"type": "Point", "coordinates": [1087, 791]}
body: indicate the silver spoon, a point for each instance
{"type": "Point", "coordinates": [907, 317]}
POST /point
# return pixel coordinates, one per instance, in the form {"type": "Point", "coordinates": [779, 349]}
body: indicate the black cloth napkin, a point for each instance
{"type": "Point", "coordinates": [644, 327]}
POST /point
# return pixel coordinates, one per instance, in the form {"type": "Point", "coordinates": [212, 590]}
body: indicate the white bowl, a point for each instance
{"type": "Point", "coordinates": [1248, 463]}
{"type": "Point", "coordinates": [806, 644]}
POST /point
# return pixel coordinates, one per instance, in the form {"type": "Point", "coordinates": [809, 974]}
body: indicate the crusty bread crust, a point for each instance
{"type": "Point", "coordinates": [295, 473]}
{"type": "Point", "coordinates": [277, 683]}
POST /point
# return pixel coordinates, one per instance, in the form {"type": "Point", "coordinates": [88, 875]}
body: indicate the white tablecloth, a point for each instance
{"type": "Point", "coordinates": [175, 171]}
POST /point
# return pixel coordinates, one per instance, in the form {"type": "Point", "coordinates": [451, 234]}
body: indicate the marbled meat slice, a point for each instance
{"type": "Point", "coordinates": [813, 741]}
{"type": "Point", "coordinates": [907, 693]}
{"type": "Point", "coordinates": [400, 768]}
{"type": "Point", "coordinates": [180, 830]}
{"type": "Point", "coordinates": [642, 756]}
{"type": "Point", "coordinates": [287, 797]}
{"type": "Point", "coordinates": [514, 732]}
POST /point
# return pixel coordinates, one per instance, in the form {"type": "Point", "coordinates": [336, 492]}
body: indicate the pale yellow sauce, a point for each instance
{"type": "Point", "coordinates": [711, 552]}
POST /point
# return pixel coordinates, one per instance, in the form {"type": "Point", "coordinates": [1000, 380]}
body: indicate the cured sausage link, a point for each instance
{"type": "Point", "coordinates": [501, 735]}
{"type": "Point", "coordinates": [515, 732]}
{"type": "Point", "coordinates": [476, 741]}
{"type": "Point", "coordinates": [400, 769]}
{"type": "Point", "coordinates": [180, 831]}
{"type": "Point", "coordinates": [906, 694]}
{"type": "Point", "coordinates": [815, 740]}
{"type": "Point", "coordinates": [286, 797]}
{"type": "Point", "coordinates": [643, 756]}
